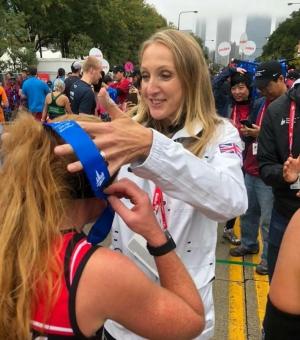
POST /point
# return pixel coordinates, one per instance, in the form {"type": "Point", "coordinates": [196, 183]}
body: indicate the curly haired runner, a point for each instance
{"type": "Point", "coordinates": [55, 283]}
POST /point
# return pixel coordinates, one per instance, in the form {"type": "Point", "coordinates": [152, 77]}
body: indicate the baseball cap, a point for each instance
{"type": "Point", "coordinates": [267, 71]}
{"type": "Point", "coordinates": [118, 68]}
{"type": "Point", "coordinates": [76, 66]}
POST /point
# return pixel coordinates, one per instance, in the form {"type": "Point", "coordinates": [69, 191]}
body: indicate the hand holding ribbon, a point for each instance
{"type": "Point", "coordinates": [122, 140]}
{"type": "Point", "coordinates": [141, 211]}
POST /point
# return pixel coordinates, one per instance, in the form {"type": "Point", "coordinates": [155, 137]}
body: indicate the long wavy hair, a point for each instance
{"type": "Point", "coordinates": [35, 193]}
{"type": "Point", "coordinates": [198, 105]}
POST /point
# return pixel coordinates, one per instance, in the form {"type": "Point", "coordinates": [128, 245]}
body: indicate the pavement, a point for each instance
{"type": "Point", "coordinates": [240, 294]}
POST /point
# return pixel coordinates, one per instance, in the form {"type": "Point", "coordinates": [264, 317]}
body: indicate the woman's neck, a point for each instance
{"type": "Point", "coordinates": [81, 212]}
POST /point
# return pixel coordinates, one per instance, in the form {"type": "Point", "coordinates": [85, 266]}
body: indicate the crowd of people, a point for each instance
{"type": "Point", "coordinates": [186, 152]}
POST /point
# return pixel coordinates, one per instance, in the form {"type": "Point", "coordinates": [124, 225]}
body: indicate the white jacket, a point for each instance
{"type": "Point", "coordinates": [198, 193]}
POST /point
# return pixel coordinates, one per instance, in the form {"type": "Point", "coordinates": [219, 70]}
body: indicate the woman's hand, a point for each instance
{"type": "Point", "coordinates": [253, 132]}
{"type": "Point", "coordinates": [122, 140]}
{"type": "Point", "coordinates": [140, 218]}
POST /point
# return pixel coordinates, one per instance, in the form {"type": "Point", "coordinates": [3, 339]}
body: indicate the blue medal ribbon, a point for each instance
{"type": "Point", "coordinates": [95, 169]}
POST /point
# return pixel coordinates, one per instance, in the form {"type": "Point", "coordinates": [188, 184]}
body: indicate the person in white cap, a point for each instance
{"type": "Point", "coordinates": [73, 77]}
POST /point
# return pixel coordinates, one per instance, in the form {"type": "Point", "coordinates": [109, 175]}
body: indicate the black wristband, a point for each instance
{"type": "Point", "coordinates": [163, 249]}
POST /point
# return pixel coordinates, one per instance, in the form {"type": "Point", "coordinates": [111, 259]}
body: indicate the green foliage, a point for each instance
{"type": "Point", "coordinates": [79, 45]}
{"type": "Point", "coordinates": [15, 41]}
{"type": "Point", "coordinates": [117, 27]}
{"type": "Point", "coordinates": [282, 42]}
{"type": "Point", "coordinates": [200, 42]}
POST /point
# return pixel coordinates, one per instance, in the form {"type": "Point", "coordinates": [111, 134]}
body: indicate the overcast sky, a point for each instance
{"type": "Point", "coordinates": [212, 9]}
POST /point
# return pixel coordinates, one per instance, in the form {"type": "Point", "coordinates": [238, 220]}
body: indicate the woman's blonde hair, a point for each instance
{"type": "Point", "coordinates": [59, 85]}
{"type": "Point", "coordinates": [35, 191]}
{"type": "Point", "coordinates": [198, 104]}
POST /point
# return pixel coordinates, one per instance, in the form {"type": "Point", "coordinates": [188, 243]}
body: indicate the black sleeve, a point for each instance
{"type": "Point", "coordinates": [87, 103]}
{"type": "Point", "coordinates": [270, 167]}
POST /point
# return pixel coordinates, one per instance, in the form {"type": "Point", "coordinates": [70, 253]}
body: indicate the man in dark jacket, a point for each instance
{"type": "Point", "coordinates": [279, 138]}
{"type": "Point", "coordinates": [270, 81]}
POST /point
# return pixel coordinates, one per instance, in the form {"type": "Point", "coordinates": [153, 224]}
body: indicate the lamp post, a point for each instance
{"type": "Point", "coordinates": [182, 12]}
{"type": "Point", "coordinates": [293, 3]}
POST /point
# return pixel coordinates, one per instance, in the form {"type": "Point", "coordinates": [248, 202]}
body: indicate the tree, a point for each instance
{"type": "Point", "coordinates": [200, 42]}
{"type": "Point", "coordinates": [79, 45]}
{"type": "Point", "coordinates": [117, 27]}
{"type": "Point", "coordinates": [282, 42]}
{"type": "Point", "coordinates": [15, 41]}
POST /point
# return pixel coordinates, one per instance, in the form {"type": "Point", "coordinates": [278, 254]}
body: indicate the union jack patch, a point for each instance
{"type": "Point", "coordinates": [230, 148]}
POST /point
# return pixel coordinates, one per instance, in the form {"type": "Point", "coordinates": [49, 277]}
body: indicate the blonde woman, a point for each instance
{"type": "Point", "coordinates": [182, 154]}
{"type": "Point", "coordinates": [56, 102]}
{"type": "Point", "coordinates": [53, 282]}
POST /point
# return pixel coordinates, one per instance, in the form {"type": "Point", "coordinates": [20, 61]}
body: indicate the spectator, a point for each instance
{"type": "Point", "coordinates": [12, 90]}
{"type": "Point", "coordinates": [73, 77]}
{"type": "Point", "coordinates": [3, 103]}
{"type": "Point", "coordinates": [121, 84]}
{"type": "Point", "coordinates": [280, 138]}
{"type": "Point", "coordinates": [238, 106]}
{"type": "Point", "coordinates": [291, 77]}
{"type": "Point", "coordinates": [61, 74]}
{"type": "Point", "coordinates": [35, 91]}
{"type": "Point", "coordinates": [82, 96]}
{"type": "Point", "coordinates": [269, 80]}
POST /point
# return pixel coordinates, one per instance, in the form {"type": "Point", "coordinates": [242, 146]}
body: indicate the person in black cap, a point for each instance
{"type": "Point", "coordinates": [280, 138]}
{"type": "Point", "coordinates": [270, 81]}
{"type": "Point", "coordinates": [122, 85]}
{"type": "Point", "coordinates": [75, 75]}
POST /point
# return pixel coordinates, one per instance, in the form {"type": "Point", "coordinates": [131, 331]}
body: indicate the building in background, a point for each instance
{"type": "Point", "coordinates": [234, 53]}
{"type": "Point", "coordinates": [201, 28]}
{"type": "Point", "coordinates": [258, 29]}
{"type": "Point", "coordinates": [223, 34]}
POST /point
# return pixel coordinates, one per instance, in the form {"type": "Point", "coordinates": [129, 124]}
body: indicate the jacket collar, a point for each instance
{"type": "Point", "coordinates": [183, 133]}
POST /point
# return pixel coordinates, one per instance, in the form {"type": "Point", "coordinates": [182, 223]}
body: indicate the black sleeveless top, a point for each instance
{"type": "Point", "coordinates": [279, 325]}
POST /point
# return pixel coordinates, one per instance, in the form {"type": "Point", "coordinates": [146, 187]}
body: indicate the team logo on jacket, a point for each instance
{"type": "Point", "coordinates": [230, 148]}
{"type": "Point", "coordinates": [285, 121]}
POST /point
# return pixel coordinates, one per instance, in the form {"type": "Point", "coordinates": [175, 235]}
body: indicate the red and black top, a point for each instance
{"type": "Point", "coordinates": [61, 323]}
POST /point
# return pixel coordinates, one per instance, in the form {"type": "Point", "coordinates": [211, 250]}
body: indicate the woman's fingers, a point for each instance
{"type": "Point", "coordinates": [118, 206]}
{"type": "Point", "coordinates": [63, 150]}
{"type": "Point", "coordinates": [127, 189]}
{"type": "Point", "coordinates": [74, 167]}
{"type": "Point", "coordinates": [109, 105]}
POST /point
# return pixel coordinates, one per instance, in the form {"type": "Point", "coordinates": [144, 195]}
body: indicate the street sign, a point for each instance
{"type": "Point", "coordinates": [250, 47]}
{"type": "Point", "coordinates": [224, 48]}
{"type": "Point", "coordinates": [129, 67]}
{"type": "Point", "coordinates": [243, 42]}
